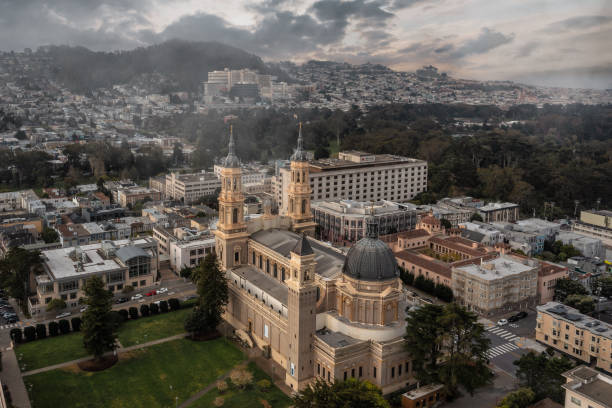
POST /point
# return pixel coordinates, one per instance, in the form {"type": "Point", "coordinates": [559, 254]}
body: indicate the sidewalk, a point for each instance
{"type": "Point", "coordinates": [119, 351]}
{"type": "Point", "coordinates": [11, 376]}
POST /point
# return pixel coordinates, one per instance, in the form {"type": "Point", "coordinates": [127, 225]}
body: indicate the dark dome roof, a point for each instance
{"type": "Point", "coordinates": [371, 259]}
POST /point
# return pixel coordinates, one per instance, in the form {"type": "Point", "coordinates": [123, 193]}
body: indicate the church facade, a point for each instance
{"type": "Point", "coordinates": [317, 312]}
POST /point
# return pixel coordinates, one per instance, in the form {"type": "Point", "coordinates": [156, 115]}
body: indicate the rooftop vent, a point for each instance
{"type": "Point", "coordinates": [574, 317]}
{"type": "Point", "coordinates": [601, 329]}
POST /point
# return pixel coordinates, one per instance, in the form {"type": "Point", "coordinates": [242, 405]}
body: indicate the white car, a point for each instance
{"type": "Point", "coordinates": [502, 322]}
{"type": "Point", "coordinates": [137, 296]}
{"type": "Point", "coordinates": [162, 290]}
{"type": "Point", "coordinates": [84, 308]}
{"type": "Point", "coordinates": [62, 315]}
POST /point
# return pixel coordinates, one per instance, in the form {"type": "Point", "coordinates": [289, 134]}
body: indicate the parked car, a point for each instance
{"type": "Point", "coordinates": [137, 296]}
{"type": "Point", "coordinates": [62, 315]}
{"type": "Point", "coordinates": [521, 315]}
{"type": "Point", "coordinates": [84, 308]}
{"type": "Point", "coordinates": [502, 322]}
{"type": "Point", "coordinates": [162, 290]}
{"type": "Point", "coordinates": [151, 293]}
{"type": "Point", "coordinates": [13, 319]}
{"type": "Point", "coordinates": [122, 300]}
{"type": "Point", "coordinates": [513, 318]}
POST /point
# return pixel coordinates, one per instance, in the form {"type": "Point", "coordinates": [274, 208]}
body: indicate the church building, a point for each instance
{"type": "Point", "coordinates": [314, 310]}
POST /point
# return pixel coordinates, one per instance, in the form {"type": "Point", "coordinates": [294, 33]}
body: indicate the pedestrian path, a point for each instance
{"type": "Point", "coordinates": [506, 335]}
{"type": "Point", "coordinates": [502, 349]}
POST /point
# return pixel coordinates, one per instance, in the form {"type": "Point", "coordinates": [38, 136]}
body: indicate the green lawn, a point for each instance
{"type": "Point", "coordinates": [149, 377]}
{"type": "Point", "coordinates": [55, 350]}
{"type": "Point", "coordinates": [249, 398]}
{"type": "Point", "coordinates": [150, 328]}
{"type": "Point", "coordinates": [49, 351]}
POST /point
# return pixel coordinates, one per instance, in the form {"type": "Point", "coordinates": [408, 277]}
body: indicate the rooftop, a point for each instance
{"type": "Point", "coordinates": [571, 315]}
{"type": "Point", "coordinates": [266, 283]}
{"type": "Point", "coordinates": [377, 160]}
{"type": "Point", "coordinates": [590, 383]}
{"type": "Point", "coordinates": [336, 339]}
{"type": "Point", "coordinates": [497, 268]}
{"type": "Point", "coordinates": [497, 206]}
{"type": "Point", "coordinates": [424, 262]}
{"type": "Point", "coordinates": [329, 261]}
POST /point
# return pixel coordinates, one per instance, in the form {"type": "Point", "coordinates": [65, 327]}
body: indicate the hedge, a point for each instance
{"type": "Point", "coordinates": [64, 326]}
{"type": "Point", "coordinates": [144, 310]}
{"type": "Point", "coordinates": [41, 331]}
{"type": "Point", "coordinates": [76, 324]}
{"type": "Point", "coordinates": [29, 333]}
{"type": "Point", "coordinates": [53, 329]}
{"type": "Point", "coordinates": [16, 334]}
{"type": "Point", "coordinates": [133, 313]}
{"type": "Point", "coordinates": [154, 309]}
{"type": "Point", "coordinates": [163, 306]}
{"type": "Point", "coordinates": [174, 304]}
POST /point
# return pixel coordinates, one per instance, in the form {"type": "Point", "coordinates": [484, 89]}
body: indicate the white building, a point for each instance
{"type": "Point", "coordinates": [359, 176]}
{"type": "Point", "coordinates": [190, 187]}
{"type": "Point", "coordinates": [190, 253]}
{"type": "Point", "coordinates": [588, 246]}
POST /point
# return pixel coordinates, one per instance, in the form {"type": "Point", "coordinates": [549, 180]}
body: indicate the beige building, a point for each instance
{"type": "Point", "coordinates": [359, 176]}
{"type": "Point", "coordinates": [315, 311]}
{"type": "Point", "coordinates": [499, 212]}
{"type": "Point", "coordinates": [497, 285]}
{"type": "Point", "coordinates": [596, 224]}
{"type": "Point", "coordinates": [190, 187]}
{"type": "Point", "coordinates": [118, 263]}
{"type": "Point", "coordinates": [548, 275]}
{"type": "Point", "coordinates": [575, 334]}
{"type": "Point", "coordinates": [131, 196]}
{"type": "Point", "coordinates": [587, 388]}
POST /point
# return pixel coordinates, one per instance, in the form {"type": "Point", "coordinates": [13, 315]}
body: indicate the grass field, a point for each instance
{"type": "Point", "coordinates": [55, 350]}
{"type": "Point", "coordinates": [149, 377]}
{"type": "Point", "coordinates": [150, 328]}
{"type": "Point", "coordinates": [249, 398]}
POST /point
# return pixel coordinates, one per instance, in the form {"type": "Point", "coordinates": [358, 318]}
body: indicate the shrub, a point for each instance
{"type": "Point", "coordinates": [76, 324]}
{"type": "Point", "coordinates": [123, 314]}
{"type": "Point", "coordinates": [144, 310]}
{"type": "Point", "coordinates": [264, 385]}
{"type": "Point", "coordinates": [29, 333]}
{"type": "Point", "coordinates": [218, 402]}
{"type": "Point", "coordinates": [56, 304]}
{"type": "Point", "coordinates": [174, 304]}
{"type": "Point", "coordinates": [17, 335]}
{"type": "Point", "coordinates": [64, 326]}
{"type": "Point", "coordinates": [127, 289]}
{"type": "Point", "coordinates": [41, 331]}
{"type": "Point", "coordinates": [133, 313]}
{"type": "Point", "coordinates": [154, 309]}
{"type": "Point", "coordinates": [116, 317]}
{"type": "Point", "coordinates": [222, 386]}
{"type": "Point", "coordinates": [163, 306]}
{"type": "Point", "coordinates": [53, 329]}
{"type": "Point", "coordinates": [241, 377]}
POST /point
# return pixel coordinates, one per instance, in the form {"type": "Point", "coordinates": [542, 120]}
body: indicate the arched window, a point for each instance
{"type": "Point", "coordinates": [235, 184]}
{"type": "Point", "coordinates": [318, 293]}
{"type": "Point", "coordinates": [304, 206]}
{"type": "Point", "coordinates": [298, 177]}
{"type": "Point", "coordinates": [235, 216]}
{"type": "Point", "coordinates": [283, 273]}
{"type": "Point", "coordinates": [267, 266]}
{"type": "Point", "coordinates": [291, 205]}
{"type": "Point", "coordinates": [253, 258]}
{"type": "Point", "coordinates": [275, 269]}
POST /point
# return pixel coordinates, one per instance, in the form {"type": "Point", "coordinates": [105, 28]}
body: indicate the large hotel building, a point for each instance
{"type": "Point", "coordinates": [359, 176]}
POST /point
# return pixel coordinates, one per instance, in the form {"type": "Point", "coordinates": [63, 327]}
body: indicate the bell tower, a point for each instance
{"type": "Point", "coordinates": [299, 191]}
{"type": "Point", "coordinates": [231, 233]}
{"type": "Point", "coordinates": [301, 315]}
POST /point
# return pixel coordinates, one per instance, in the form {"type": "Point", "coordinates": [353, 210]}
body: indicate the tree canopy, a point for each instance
{"type": "Point", "coordinates": [352, 393]}
{"type": "Point", "coordinates": [99, 325]}
{"type": "Point", "coordinates": [542, 374]}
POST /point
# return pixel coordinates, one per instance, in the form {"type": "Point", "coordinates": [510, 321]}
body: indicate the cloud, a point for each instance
{"type": "Point", "coordinates": [403, 4]}
{"type": "Point", "coordinates": [487, 40]}
{"type": "Point", "coordinates": [333, 10]}
{"type": "Point", "coordinates": [527, 49]}
{"type": "Point", "coordinates": [579, 23]}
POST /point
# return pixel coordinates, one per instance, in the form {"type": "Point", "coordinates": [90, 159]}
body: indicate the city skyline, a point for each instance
{"type": "Point", "coordinates": [538, 42]}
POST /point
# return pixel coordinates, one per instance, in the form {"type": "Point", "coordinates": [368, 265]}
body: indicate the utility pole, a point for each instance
{"type": "Point", "coordinates": [576, 202]}
{"type": "Point", "coordinates": [598, 202]}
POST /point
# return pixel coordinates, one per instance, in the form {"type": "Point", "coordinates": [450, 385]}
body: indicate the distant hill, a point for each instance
{"type": "Point", "coordinates": [185, 63]}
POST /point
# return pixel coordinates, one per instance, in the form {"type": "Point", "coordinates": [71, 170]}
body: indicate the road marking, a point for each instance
{"type": "Point", "coordinates": [502, 349]}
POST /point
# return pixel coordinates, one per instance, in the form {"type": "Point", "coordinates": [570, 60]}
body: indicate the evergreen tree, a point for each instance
{"type": "Point", "coordinates": [212, 296]}
{"type": "Point", "coordinates": [542, 374]}
{"type": "Point", "coordinates": [99, 326]}
{"type": "Point", "coordinates": [520, 398]}
{"type": "Point", "coordinates": [351, 393]}
{"type": "Point", "coordinates": [15, 269]}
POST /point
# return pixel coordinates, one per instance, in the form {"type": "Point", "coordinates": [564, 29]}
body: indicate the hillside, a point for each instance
{"type": "Point", "coordinates": [185, 63]}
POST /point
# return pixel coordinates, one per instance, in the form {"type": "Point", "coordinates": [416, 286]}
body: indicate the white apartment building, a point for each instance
{"type": "Point", "coordinates": [496, 286]}
{"type": "Point", "coordinates": [190, 253]}
{"type": "Point", "coordinates": [250, 175]}
{"type": "Point", "coordinates": [359, 176]}
{"type": "Point", "coordinates": [190, 187]}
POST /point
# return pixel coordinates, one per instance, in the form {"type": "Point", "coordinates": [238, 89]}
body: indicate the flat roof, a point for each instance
{"type": "Point", "coordinates": [497, 206]}
{"type": "Point", "coordinates": [497, 268]}
{"type": "Point", "coordinates": [329, 261]}
{"type": "Point", "coordinates": [336, 339]}
{"type": "Point", "coordinates": [271, 286]}
{"type": "Point", "coordinates": [590, 383]}
{"type": "Point", "coordinates": [571, 315]}
{"type": "Point", "coordinates": [379, 160]}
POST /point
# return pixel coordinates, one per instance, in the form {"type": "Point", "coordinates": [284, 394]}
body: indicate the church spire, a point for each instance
{"type": "Point", "coordinates": [300, 153]}
{"type": "Point", "coordinates": [231, 160]}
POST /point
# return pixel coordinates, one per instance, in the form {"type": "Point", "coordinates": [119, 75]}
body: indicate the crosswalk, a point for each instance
{"type": "Point", "coordinates": [8, 326]}
{"type": "Point", "coordinates": [506, 335]}
{"type": "Point", "coordinates": [502, 349]}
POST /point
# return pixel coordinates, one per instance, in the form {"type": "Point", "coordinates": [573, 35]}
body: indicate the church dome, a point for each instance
{"type": "Point", "coordinates": [371, 259]}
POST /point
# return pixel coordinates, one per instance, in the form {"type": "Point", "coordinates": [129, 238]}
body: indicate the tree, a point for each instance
{"type": "Point", "coordinates": [144, 310]}
{"type": "Point", "coordinates": [53, 329]}
{"type": "Point", "coordinates": [449, 346]}
{"type": "Point", "coordinates": [163, 306]}
{"type": "Point", "coordinates": [29, 333]}
{"type": "Point", "coordinates": [446, 223]}
{"type": "Point", "coordinates": [186, 272]}
{"type": "Point", "coordinates": [174, 304]}
{"type": "Point", "coordinates": [241, 377]}
{"type": "Point", "coordinates": [154, 309]}
{"type": "Point", "coordinates": [15, 269]}
{"type": "Point", "coordinates": [41, 331]}
{"type": "Point", "coordinates": [542, 374]}
{"type": "Point", "coordinates": [566, 287]}
{"type": "Point", "coordinates": [605, 283]}
{"type": "Point", "coordinates": [49, 235]}
{"type": "Point", "coordinates": [352, 393]}
{"type": "Point", "coordinates": [521, 398]}
{"type": "Point", "coordinates": [99, 326]}
{"type": "Point", "coordinates": [16, 334]}
{"type": "Point", "coordinates": [584, 303]}
{"type": "Point", "coordinates": [212, 296]}
{"type": "Point", "coordinates": [133, 313]}
{"type": "Point", "coordinates": [476, 217]}
{"type": "Point", "coordinates": [56, 304]}
{"type": "Point", "coordinates": [64, 326]}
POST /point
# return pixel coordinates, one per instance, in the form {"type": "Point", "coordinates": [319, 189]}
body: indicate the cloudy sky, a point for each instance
{"type": "Point", "coordinates": [548, 42]}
